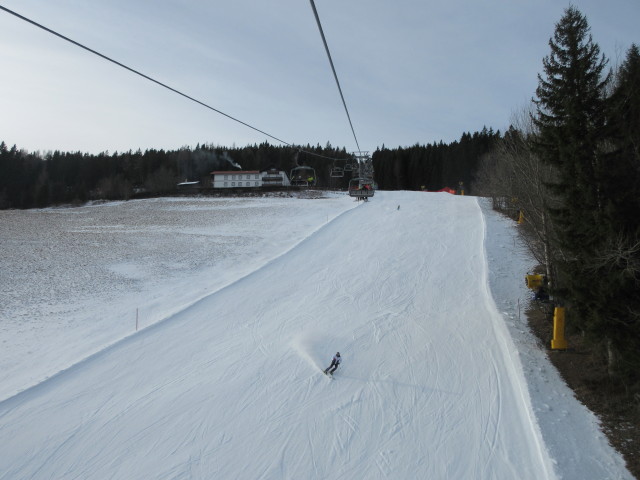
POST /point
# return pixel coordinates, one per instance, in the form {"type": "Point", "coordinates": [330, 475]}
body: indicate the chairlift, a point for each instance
{"type": "Point", "coordinates": [336, 172]}
{"type": "Point", "coordinates": [303, 177]}
{"type": "Point", "coordinates": [361, 188]}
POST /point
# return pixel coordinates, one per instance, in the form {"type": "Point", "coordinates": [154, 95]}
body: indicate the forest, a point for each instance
{"type": "Point", "coordinates": [35, 180]}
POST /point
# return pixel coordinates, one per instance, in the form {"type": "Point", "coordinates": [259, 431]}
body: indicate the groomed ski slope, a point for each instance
{"type": "Point", "coordinates": [231, 387]}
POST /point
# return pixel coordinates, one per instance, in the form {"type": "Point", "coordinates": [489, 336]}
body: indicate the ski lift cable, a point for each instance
{"type": "Point", "coordinates": [78, 44]}
{"type": "Point", "coordinates": [335, 75]}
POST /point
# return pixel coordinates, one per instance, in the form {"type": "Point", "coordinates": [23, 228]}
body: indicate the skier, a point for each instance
{"type": "Point", "coordinates": [334, 364]}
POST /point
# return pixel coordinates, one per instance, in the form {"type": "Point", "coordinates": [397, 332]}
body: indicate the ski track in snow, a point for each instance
{"type": "Point", "coordinates": [73, 280]}
{"type": "Point", "coordinates": [229, 386]}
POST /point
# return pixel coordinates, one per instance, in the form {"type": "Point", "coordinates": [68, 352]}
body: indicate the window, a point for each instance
{"type": "Point", "coordinates": [233, 184]}
{"type": "Point", "coordinates": [225, 184]}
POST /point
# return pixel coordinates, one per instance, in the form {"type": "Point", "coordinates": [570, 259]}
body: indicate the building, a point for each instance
{"type": "Point", "coordinates": [249, 179]}
{"type": "Point", "coordinates": [275, 178]}
{"type": "Point", "coordinates": [236, 179]}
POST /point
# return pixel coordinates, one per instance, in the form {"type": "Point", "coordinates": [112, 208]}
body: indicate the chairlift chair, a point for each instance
{"type": "Point", "coordinates": [303, 177]}
{"type": "Point", "coordinates": [361, 188]}
{"type": "Point", "coordinates": [336, 172]}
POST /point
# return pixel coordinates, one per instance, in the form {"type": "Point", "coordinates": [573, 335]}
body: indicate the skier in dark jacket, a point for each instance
{"type": "Point", "coordinates": [334, 364]}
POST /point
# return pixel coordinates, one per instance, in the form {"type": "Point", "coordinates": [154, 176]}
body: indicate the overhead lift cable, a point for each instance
{"type": "Point", "coordinates": [53, 32]}
{"type": "Point", "coordinates": [335, 75]}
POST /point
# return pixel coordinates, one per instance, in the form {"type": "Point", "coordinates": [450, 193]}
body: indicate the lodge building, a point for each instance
{"type": "Point", "coordinates": [248, 179]}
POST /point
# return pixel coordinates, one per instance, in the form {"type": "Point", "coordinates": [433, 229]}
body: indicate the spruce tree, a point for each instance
{"type": "Point", "coordinates": [570, 121]}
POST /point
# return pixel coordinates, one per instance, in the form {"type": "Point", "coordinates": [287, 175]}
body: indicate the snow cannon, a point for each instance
{"type": "Point", "coordinates": [534, 282]}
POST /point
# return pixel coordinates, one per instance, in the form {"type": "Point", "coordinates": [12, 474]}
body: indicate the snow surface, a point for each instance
{"type": "Point", "coordinates": [241, 303]}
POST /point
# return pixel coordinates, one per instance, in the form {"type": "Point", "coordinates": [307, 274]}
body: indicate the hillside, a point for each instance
{"type": "Point", "coordinates": [229, 386]}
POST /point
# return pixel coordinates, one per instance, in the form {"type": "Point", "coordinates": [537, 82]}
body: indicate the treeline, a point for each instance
{"type": "Point", "coordinates": [432, 166]}
{"type": "Point", "coordinates": [571, 165]}
{"type": "Point", "coordinates": [29, 180]}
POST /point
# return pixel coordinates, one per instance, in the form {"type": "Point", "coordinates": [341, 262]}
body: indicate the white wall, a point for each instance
{"type": "Point", "coordinates": [237, 179]}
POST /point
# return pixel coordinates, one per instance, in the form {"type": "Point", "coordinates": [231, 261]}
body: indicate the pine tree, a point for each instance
{"type": "Point", "coordinates": [570, 111]}
{"type": "Point", "coordinates": [570, 119]}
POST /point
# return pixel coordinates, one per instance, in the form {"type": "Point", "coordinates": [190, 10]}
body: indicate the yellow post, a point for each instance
{"type": "Point", "coordinates": [558, 342]}
{"type": "Point", "coordinates": [520, 217]}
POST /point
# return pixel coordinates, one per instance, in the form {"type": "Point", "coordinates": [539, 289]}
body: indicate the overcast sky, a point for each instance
{"type": "Point", "coordinates": [412, 71]}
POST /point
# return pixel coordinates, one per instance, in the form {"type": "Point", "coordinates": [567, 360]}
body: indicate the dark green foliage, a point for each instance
{"type": "Point", "coordinates": [622, 179]}
{"type": "Point", "coordinates": [618, 262]}
{"type": "Point", "coordinates": [18, 176]}
{"type": "Point", "coordinates": [432, 166]}
{"type": "Point", "coordinates": [30, 180]}
{"type": "Point", "coordinates": [570, 120]}
{"type": "Point", "coordinates": [591, 140]}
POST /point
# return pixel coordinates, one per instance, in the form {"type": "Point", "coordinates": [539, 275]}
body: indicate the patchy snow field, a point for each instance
{"type": "Point", "coordinates": [241, 302]}
{"type": "Point", "coordinates": [72, 279]}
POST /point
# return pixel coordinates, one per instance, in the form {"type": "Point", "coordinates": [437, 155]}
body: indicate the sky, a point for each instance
{"type": "Point", "coordinates": [411, 71]}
